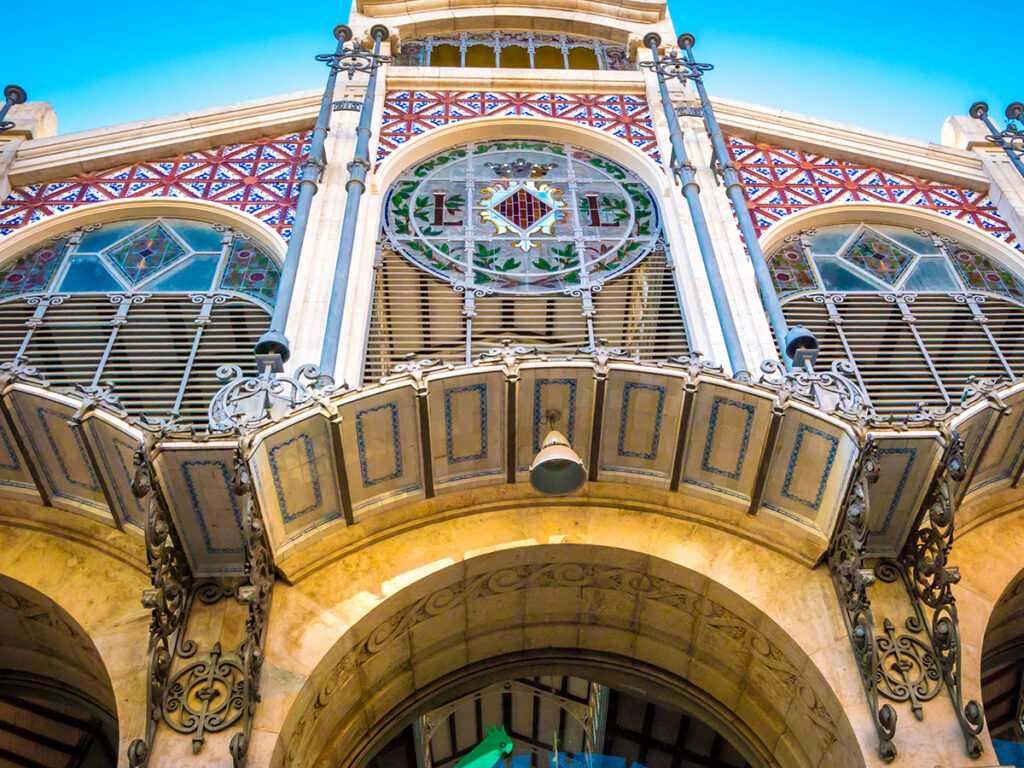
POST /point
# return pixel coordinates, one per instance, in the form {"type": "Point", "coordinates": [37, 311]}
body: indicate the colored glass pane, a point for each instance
{"type": "Point", "coordinates": [107, 234]}
{"type": "Point", "coordinates": [825, 241]}
{"type": "Point", "coordinates": [790, 270]}
{"type": "Point", "coordinates": [252, 271]}
{"type": "Point", "coordinates": [199, 235]}
{"type": "Point", "coordinates": [195, 274]}
{"type": "Point", "coordinates": [516, 216]}
{"type": "Point", "coordinates": [837, 276]}
{"type": "Point", "coordinates": [145, 254]}
{"type": "Point", "coordinates": [879, 256]}
{"type": "Point", "coordinates": [30, 271]}
{"type": "Point", "coordinates": [87, 274]}
{"type": "Point", "coordinates": [931, 275]}
{"type": "Point", "coordinates": [981, 273]}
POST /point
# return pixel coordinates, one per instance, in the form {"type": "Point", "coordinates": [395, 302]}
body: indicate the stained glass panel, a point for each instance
{"type": "Point", "coordinates": [790, 270]}
{"type": "Point", "coordinates": [982, 273]}
{"type": "Point", "coordinates": [252, 271]}
{"type": "Point", "coordinates": [31, 271]}
{"type": "Point", "coordinates": [879, 256]}
{"type": "Point", "coordinates": [516, 216]}
{"type": "Point", "coordinates": [145, 254]}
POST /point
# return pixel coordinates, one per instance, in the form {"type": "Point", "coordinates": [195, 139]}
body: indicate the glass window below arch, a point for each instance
{"type": "Point", "coordinates": [918, 313]}
{"type": "Point", "coordinates": [150, 305]}
{"type": "Point", "coordinates": [525, 50]}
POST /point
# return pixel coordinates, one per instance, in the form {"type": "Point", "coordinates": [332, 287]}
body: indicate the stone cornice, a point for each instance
{"type": "Point", "coordinates": [853, 144]}
{"type": "Point", "coordinates": [86, 151]}
{"type": "Point", "coordinates": [634, 11]}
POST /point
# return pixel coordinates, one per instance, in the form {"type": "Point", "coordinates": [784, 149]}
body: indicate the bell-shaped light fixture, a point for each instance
{"type": "Point", "coordinates": [557, 470]}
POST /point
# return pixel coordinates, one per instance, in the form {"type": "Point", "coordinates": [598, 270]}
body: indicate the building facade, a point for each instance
{"type": "Point", "coordinates": [510, 399]}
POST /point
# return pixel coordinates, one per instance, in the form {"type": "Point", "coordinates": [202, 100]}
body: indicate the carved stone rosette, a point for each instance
{"type": "Point", "coordinates": [930, 581]}
{"type": "Point", "coordinates": [851, 580]}
{"type": "Point", "coordinates": [169, 600]}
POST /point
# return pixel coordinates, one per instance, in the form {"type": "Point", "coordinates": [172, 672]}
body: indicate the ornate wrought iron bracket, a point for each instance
{"type": "Point", "coordinates": [851, 580]}
{"type": "Point", "coordinates": [929, 579]}
{"type": "Point", "coordinates": [247, 401]}
{"type": "Point", "coordinates": [256, 592]}
{"type": "Point", "coordinates": [169, 600]}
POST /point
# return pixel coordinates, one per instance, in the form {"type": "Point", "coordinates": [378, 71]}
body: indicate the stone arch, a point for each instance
{"type": "Point", "coordinates": [548, 606]}
{"type": "Point", "coordinates": [141, 208]}
{"type": "Point", "coordinates": [990, 553]}
{"type": "Point", "coordinates": [89, 579]}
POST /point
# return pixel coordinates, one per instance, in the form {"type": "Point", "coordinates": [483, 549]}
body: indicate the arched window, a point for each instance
{"type": "Point", "coordinates": [525, 50]}
{"type": "Point", "coordinates": [545, 244]}
{"type": "Point", "coordinates": [916, 312]}
{"type": "Point", "coordinates": [152, 305]}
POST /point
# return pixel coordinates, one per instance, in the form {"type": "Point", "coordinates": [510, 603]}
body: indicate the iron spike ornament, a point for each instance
{"type": "Point", "coordinates": [13, 94]}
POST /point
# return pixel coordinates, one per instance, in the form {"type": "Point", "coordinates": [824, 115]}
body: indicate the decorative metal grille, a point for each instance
{"type": "Point", "coordinates": [546, 245]}
{"type": "Point", "coordinates": [513, 49]}
{"type": "Point", "coordinates": [917, 313]}
{"type": "Point", "coordinates": [153, 306]}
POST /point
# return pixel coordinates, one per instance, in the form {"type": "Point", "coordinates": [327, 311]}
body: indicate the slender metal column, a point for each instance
{"type": "Point", "coordinates": [13, 94]}
{"type": "Point", "coordinates": [1010, 140]}
{"type": "Point", "coordinates": [684, 170]}
{"type": "Point", "coordinates": [735, 190]}
{"type": "Point", "coordinates": [357, 60]}
{"type": "Point", "coordinates": [274, 343]}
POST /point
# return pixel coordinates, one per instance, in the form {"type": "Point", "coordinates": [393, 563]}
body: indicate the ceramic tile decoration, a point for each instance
{"type": "Point", "coordinates": [411, 113]}
{"type": "Point", "coordinates": [781, 181]}
{"type": "Point", "coordinates": [258, 177]}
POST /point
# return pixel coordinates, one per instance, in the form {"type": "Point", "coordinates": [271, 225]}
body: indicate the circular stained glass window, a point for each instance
{"type": "Point", "coordinates": [521, 216]}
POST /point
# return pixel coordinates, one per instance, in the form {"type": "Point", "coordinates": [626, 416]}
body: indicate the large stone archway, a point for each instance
{"type": "Point", "coordinates": [86, 580]}
{"type": "Point", "coordinates": [611, 611]}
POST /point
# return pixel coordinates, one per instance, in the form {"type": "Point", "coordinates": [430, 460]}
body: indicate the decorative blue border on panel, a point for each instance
{"type": "Point", "coordinates": [43, 413]}
{"type": "Point", "coordinates": [314, 477]}
{"type": "Point", "coordinates": [705, 463]}
{"type": "Point", "coordinates": [538, 417]}
{"type": "Point", "coordinates": [15, 465]}
{"type": "Point", "coordinates": [364, 470]}
{"type": "Point", "coordinates": [383, 500]}
{"type": "Point", "coordinates": [194, 498]}
{"type": "Point", "coordinates": [911, 454]}
{"type": "Point", "coordinates": [627, 392]}
{"type": "Point", "coordinates": [802, 430]}
{"type": "Point", "coordinates": [480, 389]}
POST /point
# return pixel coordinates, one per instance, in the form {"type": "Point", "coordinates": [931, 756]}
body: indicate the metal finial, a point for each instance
{"type": "Point", "coordinates": [379, 32]}
{"type": "Point", "coordinates": [1015, 111]}
{"type": "Point", "coordinates": [652, 39]}
{"type": "Point", "coordinates": [978, 110]}
{"type": "Point", "coordinates": [15, 94]}
{"type": "Point", "coordinates": [686, 40]}
{"type": "Point", "coordinates": [343, 32]}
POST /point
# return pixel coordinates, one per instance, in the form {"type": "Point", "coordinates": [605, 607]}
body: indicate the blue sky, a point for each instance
{"type": "Point", "coordinates": [899, 67]}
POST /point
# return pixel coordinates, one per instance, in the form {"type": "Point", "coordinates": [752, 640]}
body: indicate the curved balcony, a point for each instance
{"type": "Point", "coordinates": [772, 461]}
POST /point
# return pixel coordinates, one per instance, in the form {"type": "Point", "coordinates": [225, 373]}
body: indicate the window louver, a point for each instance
{"type": "Point", "coordinates": [417, 316]}
{"type": "Point", "coordinates": [148, 359]}
{"type": "Point", "coordinates": [899, 368]}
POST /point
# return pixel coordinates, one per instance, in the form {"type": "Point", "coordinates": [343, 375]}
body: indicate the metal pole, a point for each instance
{"type": "Point", "coordinates": [734, 189]}
{"type": "Point", "coordinates": [273, 348]}
{"type": "Point", "coordinates": [979, 111]}
{"type": "Point", "coordinates": [682, 167]}
{"type": "Point", "coordinates": [14, 94]}
{"type": "Point", "coordinates": [357, 169]}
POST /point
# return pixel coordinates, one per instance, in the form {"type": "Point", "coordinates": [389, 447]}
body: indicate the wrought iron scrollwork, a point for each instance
{"type": "Point", "coordinates": [247, 401]}
{"type": "Point", "coordinates": [930, 581]}
{"type": "Point", "coordinates": [851, 580]}
{"type": "Point", "coordinates": [205, 696]}
{"type": "Point", "coordinates": [256, 592]}
{"type": "Point", "coordinates": [172, 582]}
{"type": "Point", "coordinates": [833, 391]}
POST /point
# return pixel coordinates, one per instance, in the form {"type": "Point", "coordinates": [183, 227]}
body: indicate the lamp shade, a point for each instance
{"type": "Point", "coordinates": [557, 470]}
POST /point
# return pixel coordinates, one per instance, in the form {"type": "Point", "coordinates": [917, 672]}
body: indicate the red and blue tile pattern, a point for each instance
{"type": "Point", "coordinates": [408, 114]}
{"type": "Point", "coordinates": [781, 181]}
{"type": "Point", "coordinates": [259, 178]}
